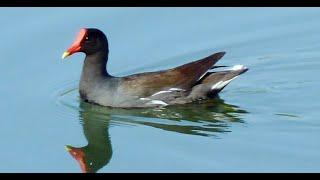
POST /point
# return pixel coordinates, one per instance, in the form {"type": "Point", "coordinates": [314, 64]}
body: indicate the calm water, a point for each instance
{"type": "Point", "coordinates": [267, 120]}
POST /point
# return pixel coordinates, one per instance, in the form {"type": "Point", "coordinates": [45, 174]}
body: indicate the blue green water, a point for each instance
{"type": "Point", "coordinates": [267, 120]}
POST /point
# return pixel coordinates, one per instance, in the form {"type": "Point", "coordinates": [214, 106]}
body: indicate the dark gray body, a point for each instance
{"type": "Point", "coordinates": [180, 85]}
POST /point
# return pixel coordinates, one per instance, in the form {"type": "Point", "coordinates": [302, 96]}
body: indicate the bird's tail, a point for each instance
{"type": "Point", "coordinates": [214, 82]}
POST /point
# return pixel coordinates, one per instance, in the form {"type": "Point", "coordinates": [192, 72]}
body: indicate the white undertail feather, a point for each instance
{"type": "Point", "coordinates": [237, 67]}
{"type": "Point", "coordinates": [221, 84]}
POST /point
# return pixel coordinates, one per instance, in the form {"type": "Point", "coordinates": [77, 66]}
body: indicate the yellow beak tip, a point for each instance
{"type": "Point", "coordinates": [65, 54]}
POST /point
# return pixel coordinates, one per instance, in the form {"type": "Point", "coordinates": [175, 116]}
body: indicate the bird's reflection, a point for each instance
{"type": "Point", "coordinates": [205, 118]}
{"type": "Point", "coordinates": [98, 152]}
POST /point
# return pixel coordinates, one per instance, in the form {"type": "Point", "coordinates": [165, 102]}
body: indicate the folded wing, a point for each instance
{"type": "Point", "coordinates": [182, 77]}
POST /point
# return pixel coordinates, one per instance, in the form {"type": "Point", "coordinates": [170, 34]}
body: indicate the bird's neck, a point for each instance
{"type": "Point", "coordinates": [94, 66]}
{"type": "Point", "coordinates": [93, 72]}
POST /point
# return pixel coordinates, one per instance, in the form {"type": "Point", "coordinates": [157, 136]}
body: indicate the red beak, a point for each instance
{"type": "Point", "coordinates": [76, 45]}
{"type": "Point", "coordinates": [78, 155]}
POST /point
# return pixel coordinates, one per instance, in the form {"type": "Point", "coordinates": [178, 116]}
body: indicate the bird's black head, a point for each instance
{"type": "Point", "coordinates": [88, 41]}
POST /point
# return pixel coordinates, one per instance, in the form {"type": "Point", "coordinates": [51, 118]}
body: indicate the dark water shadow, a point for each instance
{"type": "Point", "coordinates": [206, 118]}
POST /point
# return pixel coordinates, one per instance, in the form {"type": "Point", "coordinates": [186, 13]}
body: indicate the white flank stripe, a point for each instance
{"type": "Point", "coordinates": [145, 99]}
{"type": "Point", "coordinates": [202, 76]}
{"type": "Point", "coordinates": [169, 91]}
{"type": "Point", "coordinates": [157, 102]}
{"type": "Point", "coordinates": [176, 89]}
{"type": "Point", "coordinates": [160, 92]}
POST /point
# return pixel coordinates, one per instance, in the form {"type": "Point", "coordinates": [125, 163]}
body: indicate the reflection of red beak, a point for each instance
{"type": "Point", "coordinates": [78, 155]}
{"type": "Point", "coordinates": [76, 45]}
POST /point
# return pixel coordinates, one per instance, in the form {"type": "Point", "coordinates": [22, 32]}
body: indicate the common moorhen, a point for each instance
{"type": "Point", "coordinates": [183, 84]}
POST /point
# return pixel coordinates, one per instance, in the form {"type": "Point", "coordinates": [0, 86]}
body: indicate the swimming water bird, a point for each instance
{"type": "Point", "coordinates": [187, 83]}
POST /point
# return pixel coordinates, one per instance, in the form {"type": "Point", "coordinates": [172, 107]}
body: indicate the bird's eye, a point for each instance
{"type": "Point", "coordinates": [86, 38]}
